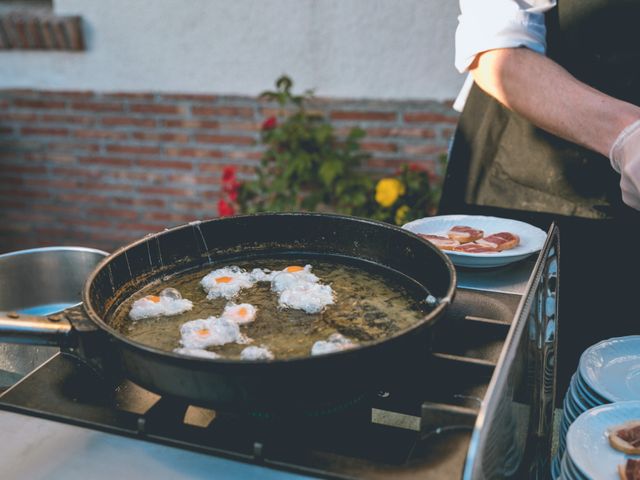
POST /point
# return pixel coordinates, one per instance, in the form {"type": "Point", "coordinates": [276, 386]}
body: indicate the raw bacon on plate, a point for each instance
{"type": "Point", "coordinates": [439, 241]}
{"type": "Point", "coordinates": [464, 234]}
{"type": "Point", "coordinates": [500, 241]}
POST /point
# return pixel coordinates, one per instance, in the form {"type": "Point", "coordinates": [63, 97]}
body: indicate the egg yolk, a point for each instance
{"type": "Point", "coordinates": [294, 268]}
{"type": "Point", "coordinates": [153, 298]}
{"type": "Point", "coordinates": [203, 332]}
{"type": "Point", "coordinates": [223, 279]}
{"type": "Point", "coordinates": [242, 312]}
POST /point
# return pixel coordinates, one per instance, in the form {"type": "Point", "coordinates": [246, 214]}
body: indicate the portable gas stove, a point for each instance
{"type": "Point", "coordinates": [478, 405]}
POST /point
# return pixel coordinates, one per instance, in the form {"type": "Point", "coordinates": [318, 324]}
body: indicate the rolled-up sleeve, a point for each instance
{"type": "Point", "coordinates": [489, 24]}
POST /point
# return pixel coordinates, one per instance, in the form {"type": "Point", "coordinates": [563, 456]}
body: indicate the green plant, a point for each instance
{"type": "Point", "coordinates": [305, 166]}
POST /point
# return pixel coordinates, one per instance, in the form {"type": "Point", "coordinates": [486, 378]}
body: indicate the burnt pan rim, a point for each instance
{"type": "Point", "coordinates": [431, 317]}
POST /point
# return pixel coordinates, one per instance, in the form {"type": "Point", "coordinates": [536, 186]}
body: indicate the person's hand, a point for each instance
{"type": "Point", "coordinates": [625, 159]}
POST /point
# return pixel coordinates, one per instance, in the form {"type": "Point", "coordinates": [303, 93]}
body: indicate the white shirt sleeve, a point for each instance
{"type": "Point", "coordinates": [489, 24]}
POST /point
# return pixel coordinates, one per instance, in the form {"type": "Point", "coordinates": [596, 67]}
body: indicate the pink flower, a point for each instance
{"type": "Point", "coordinates": [270, 123]}
{"type": "Point", "coordinates": [225, 209]}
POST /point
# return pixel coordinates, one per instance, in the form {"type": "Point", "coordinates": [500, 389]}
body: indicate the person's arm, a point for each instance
{"type": "Point", "coordinates": [550, 97]}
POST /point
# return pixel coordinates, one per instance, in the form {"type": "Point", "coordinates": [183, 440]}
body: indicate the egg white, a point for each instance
{"type": "Point", "coordinates": [335, 343]}
{"type": "Point", "coordinates": [166, 306]}
{"type": "Point", "coordinates": [256, 353]}
{"type": "Point", "coordinates": [239, 279]}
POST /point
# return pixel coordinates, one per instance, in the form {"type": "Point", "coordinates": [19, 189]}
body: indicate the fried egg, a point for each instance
{"type": "Point", "coordinates": [335, 343]}
{"type": "Point", "coordinates": [308, 297]}
{"type": "Point", "coordinates": [226, 282]}
{"type": "Point", "coordinates": [292, 276]}
{"type": "Point", "coordinates": [209, 332]}
{"type": "Point", "coordinates": [197, 352]}
{"type": "Point", "coordinates": [169, 302]}
{"type": "Point", "coordinates": [256, 353]}
{"type": "Point", "coordinates": [241, 313]}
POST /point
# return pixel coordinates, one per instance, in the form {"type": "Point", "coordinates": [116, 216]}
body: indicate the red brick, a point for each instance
{"type": "Point", "coordinates": [70, 119]}
{"type": "Point", "coordinates": [141, 202]}
{"type": "Point", "coordinates": [240, 126]}
{"type": "Point", "coordinates": [81, 198]}
{"type": "Point", "coordinates": [39, 104]}
{"type": "Point", "coordinates": [365, 116]}
{"type": "Point", "coordinates": [53, 183]}
{"type": "Point", "coordinates": [186, 179]}
{"type": "Point", "coordinates": [110, 187]}
{"type": "Point", "coordinates": [165, 191]}
{"type": "Point", "coordinates": [58, 132]}
{"type": "Point", "coordinates": [191, 205]}
{"type": "Point", "coordinates": [245, 112]}
{"type": "Point", "coordinates": [19, 117]}
{"type": "Point", "coordinates": [228, 139]}
{"type": "Point", "coordinates": [76, 172]}
{"type": "Point", "coordinates": [240, 155]}
{"type": "Point", "coordinates": [211, 124]}
{"type": "Point", "coordinates": [100, 134]}
{"type": "Point", "coordinates": [6, 130]}
{"type": "Point", "coordinates": [429, 117]}
{"type": "Point", "coordinates": [82, 222]}
{"type": "Point", "coordinates": [129, 96]}
{"type": "Point", "coordinates": [189, 96]}
{"type": "Point", "coordinates": [424, 149]}
{"type": "Point", "coordinates": [65, 94]}
{"type": "Point", "coordinates": [24, 169]}
{"type": "Point", "coordinates": [113, 212]}
{"type": "Point", "coordinates": [165, 164]}
{"type": "Point", "coordinates": [118, 162]}
{"type": "Point", "coordinates": [379, 147]}
{"type": "Point", "coordinates": [70, 147]}
{"type": "Point", "coordinates": [124, 176]}
{"type": "Point", "coordinates": [97, 106]}
{"type": "Point", "coordinates": [125, 121]}
{"type": "Point", "coordinates": [161, 137]}
{"type": "Point", "coordinates": [50, 157]}
{"type": "Point", "coordinates": [172, 217]}
{"type": "Point", "coordinates": [140, 227]}
{"type": "Point", "coordinates": [211, 167]}
{"type": "Point", "coordinates": [26, 193]}
{"type": "Point", "coordinates": [154, 108]}
{"type": "Point", "coordinates": [133, 149]}
{"type": "Point", "coordinates": [400, 132]}
{"type": "Point", "coordinates": [193, 152]}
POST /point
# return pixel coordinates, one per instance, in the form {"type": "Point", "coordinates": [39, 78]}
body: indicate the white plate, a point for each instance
{"type": "Point", "coordinates": [588, 443]}
{"type": "Point", "coordinates": [531, 238]}
{"type": "Point", "coordinates": [612, 368]}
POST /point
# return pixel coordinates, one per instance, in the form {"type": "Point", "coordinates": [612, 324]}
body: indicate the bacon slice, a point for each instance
{"type": "Point", "coordinates": [500, 241]}
{"type": "Point", "coordinates": [626, 437]}
{"type": "Point", "coordinates": [630, 470]}
{"type": "Point", "coordinates": [464, 234]}
{"type": "Point", "coordinates": [439, 241]}
{"type": "Point", "coordinates": [474, 248]}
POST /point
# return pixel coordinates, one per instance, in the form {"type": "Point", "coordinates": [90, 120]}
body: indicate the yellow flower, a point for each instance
{"type": "Point", "coordinates": [388, 190]}
{"type": "Point", "coordinates": [401, 214]}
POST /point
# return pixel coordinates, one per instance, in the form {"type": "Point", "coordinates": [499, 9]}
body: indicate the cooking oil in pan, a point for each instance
{"type": "Point", "coordinates": [370, 305]}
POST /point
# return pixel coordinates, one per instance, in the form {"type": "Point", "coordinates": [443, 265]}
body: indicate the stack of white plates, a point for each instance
{"type": "Point", "coordinates": [589, 455]}
{"type": "Point", "coordinates": [609, 372]}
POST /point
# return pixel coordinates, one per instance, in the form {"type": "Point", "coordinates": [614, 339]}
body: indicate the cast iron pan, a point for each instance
{"type": "Point", "coordinates": [311, 384]}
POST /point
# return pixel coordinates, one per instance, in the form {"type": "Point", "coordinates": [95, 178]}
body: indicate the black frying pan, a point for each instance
{"type": "Point", "coordinates": [309, 384]}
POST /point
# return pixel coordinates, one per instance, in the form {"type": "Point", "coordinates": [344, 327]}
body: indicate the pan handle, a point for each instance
{"type": "Point", "coordinates": [54, 330]}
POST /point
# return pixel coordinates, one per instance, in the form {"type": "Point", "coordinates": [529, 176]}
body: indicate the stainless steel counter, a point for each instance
{"type": "Point", "coordinates": [41, 449]}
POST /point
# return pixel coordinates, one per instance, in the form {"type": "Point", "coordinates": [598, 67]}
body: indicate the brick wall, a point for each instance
{"type": "Point", "coordinates": [100, 170]}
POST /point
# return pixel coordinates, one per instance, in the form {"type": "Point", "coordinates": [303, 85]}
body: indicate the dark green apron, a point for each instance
{"type": "Point", "coordinates": [500, 164]}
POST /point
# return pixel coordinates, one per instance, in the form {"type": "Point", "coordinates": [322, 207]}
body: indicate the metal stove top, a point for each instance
{"type": "Point", "coordinates": [418, 424]}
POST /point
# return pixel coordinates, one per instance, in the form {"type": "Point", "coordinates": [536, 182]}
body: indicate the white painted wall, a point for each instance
{"type": "Point", "coordinates": [396, 49]}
